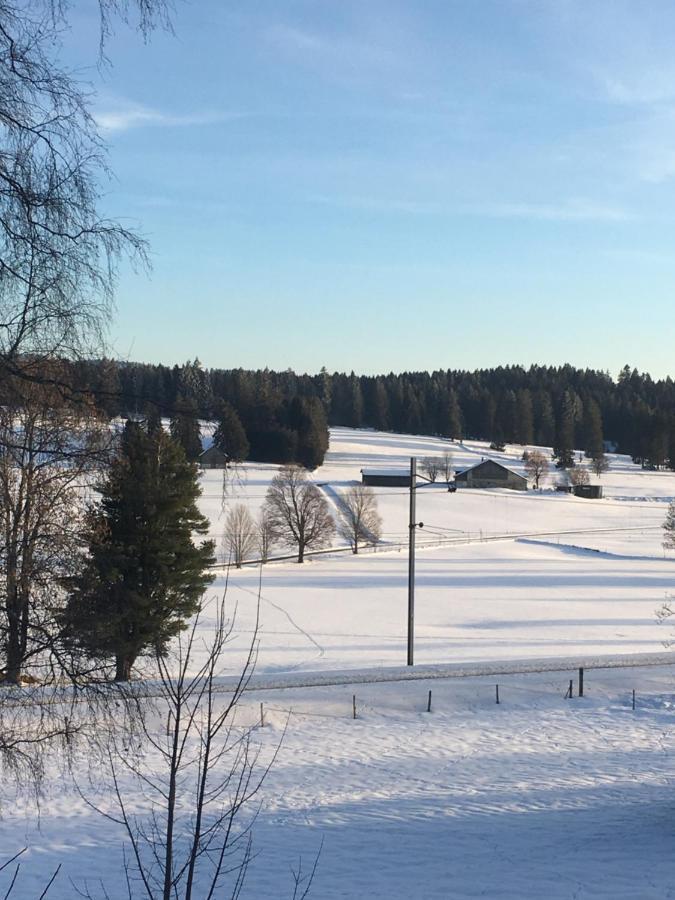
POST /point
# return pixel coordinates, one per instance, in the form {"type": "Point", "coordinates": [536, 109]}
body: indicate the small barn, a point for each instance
{"type": "Point", "coordinates": [588, 491]}
{"type": "Point", "coordinates": [490, 474]}
{"type": "Point", "coordinates": [386, 477]}
{"type": "Point", "coordinates": [213, 458]}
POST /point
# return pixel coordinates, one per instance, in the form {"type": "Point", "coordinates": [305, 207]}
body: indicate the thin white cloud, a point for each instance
{"type": "Point", "coordinates": [567, 211]}
{"type": "Point", "coordinates": [124, 115]}
{"type": "Point", "coordinates": [572, 211]}
{"type": "Point", "coordinates": [371, 204]}
{"type": "Point", "coordinates": [347, 51]}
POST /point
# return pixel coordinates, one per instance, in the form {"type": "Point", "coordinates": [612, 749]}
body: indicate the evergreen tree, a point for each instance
{"type": "Point", "coordinates": [507, 417]}
{"type": "Point", "coordinates": [325, 389]}
{"type": "Point", "coordinates": [153, 420]}
{"type": "Point", "coordinates": [524, 418]}
{"type": "Point", "coordinates": [230, 436]}
{"type": "Point", "coordinates": [379, 406]}
{"type": "Point", "coordinates": [144, 574]}
{"type": "Point", "coordinates": [355, 402]}
{"type": "Point", "coordinates": [545, 419]}
{"type": "Point", "coordinates": [564, 446]}
{"type": "Point", "coordinates": [453, 427]}
{"type": "Point", "coordinates": [185, 428]}
{"type": "Point", "coordinates": [593, 439]}
{"type": "Point", "coordinates": [307, 418]}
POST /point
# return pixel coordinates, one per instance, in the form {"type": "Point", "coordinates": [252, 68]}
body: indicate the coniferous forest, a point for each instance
{"type": "Point", "coordinates": [284, 415]}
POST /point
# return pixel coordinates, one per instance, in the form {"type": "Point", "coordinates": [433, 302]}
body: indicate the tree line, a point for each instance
{"type": "Point", "coordinates": [284, 414]}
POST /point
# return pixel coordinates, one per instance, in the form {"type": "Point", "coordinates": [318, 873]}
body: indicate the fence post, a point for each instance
{"type": "Point", "coordinates": [633, 698]}
{"type": "Point", "coordinates": [262, 716]}
{"type": "Point", "coordinates": [353, 706]}
{"type": "Point", "coordinates": [581, 682]}
{"type": "Point", "coordinates": [429, 703]}
{"type": "Point", "coordinates": [497, 694]}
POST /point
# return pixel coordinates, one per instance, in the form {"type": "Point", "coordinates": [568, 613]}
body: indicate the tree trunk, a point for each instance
{"type": "Point", "coordinates": [123, 666]}
{"type": "Point", "coordinates": [13, 653]}
{"type": "Point", "coordinates": [301, 552]}
{"type": "Point", "coordinates": [13, 663]}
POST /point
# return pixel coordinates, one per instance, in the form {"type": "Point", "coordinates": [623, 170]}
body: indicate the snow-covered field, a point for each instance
{"type": "Point", "coordinates": [536, 797]}
{"type": "Point", "coordinates": [588, 579]}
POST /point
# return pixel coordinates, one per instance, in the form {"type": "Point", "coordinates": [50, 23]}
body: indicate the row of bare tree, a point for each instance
{"type": "Point", "coordinates": [297, 514]}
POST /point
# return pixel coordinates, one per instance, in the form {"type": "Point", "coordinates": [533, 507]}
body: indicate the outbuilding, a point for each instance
{"type": "Point", "coordinates": [490, 474]}
{"type": "Point", "coordinates": [588, 491]}
{"type": "Point", "coordinates": [386, 477]}
{"type": "Point", "coordinates": [213, 458]}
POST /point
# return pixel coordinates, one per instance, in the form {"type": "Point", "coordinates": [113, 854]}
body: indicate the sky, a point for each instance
{"type": "Point", "coordinates": [393, 185]}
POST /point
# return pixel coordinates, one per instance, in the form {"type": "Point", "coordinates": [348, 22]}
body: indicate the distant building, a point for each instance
{"type": "Point", "coordinates": [386, 477]}
{"type": "Point", "coordinates": [588, 491]}
{"type": "Point", "coordinates": [490, 474]}
{"type": "Point", "coordinates": [213, 458]}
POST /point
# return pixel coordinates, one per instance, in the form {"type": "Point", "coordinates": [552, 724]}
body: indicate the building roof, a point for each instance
{"type": "Point", "coordinates": [496, 463]}
{"type": "Point", "coordinates": [389, 473]}
{"type": "Point", "coordinates": [211, 450]}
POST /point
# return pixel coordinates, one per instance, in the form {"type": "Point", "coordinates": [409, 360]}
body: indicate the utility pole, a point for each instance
{"type": "Point", "coordinates": [411, 561]}
{"type": "Point", "coordinates": [412, 525]}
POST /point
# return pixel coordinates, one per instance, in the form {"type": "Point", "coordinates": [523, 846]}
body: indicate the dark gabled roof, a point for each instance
{"type": "Point", "coordinates": [213, 449]}
{"type": "Point", "coordinates": [496, 463]}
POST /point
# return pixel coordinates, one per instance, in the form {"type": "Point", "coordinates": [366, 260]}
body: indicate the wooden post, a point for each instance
{"type": "Point", "coordinates": [581, 682]}
{"type": "Point", "coordinates": [633, 698]}
{"type": "Point", "coordinates": [497, 693]}
{"type": "Point", "coordinates": [262, 716]}
{"type": "Point", "coordinates": [429, 703]}
{"type": "Point", "coordinates": [570, 689]}
{"type": "Point", "coordinates": [353, 706]}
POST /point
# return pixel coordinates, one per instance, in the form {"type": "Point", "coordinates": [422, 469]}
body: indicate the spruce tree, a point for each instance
{"type": "Point", "coordinates": [230, 436]}
{"type": "Point", "coordinates": [593, 438]}
{"type": "Point", "coordinates": [564, 446]}
{"type": "Point", "coordinates": [307, 418]}
{"type": "Point", "coordinates": [144, 574]}
{"type": "Point", "coordinates": [524, 418]}
{"type": "Point", "coordinates": [454, 421]}
{"type": "Point", "coordinates": [185, 428]}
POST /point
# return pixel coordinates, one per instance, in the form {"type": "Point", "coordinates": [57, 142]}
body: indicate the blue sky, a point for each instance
{"type": "Point", "coordinates": [395, 184]}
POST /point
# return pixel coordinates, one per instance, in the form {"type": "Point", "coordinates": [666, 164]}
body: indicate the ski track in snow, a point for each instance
{"type": "Point", "coordinates": [298, 628]}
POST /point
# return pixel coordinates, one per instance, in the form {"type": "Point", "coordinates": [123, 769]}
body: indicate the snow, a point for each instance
{"type": "Point", "coordinates": [539, 796]}
{"type": "Point", "coordinates": [499, 575]}
{"type": "Point", "coordinates": [535, 797]}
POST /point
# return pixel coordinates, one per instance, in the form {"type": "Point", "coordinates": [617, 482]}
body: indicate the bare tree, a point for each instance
{"type": "Point", "coordinates": [431, 466]}
{"type": "Point", "coordinates": [196, 839]}
{"type": "Point", "coordinates": [297, 511]}
{"type": "Point", "coordinates": [600, 464]}
{"type": "Point", "coordinates": [669, 528]}
{"type": "Point", "coordinates": [265, 536]}
{"type": "Point", "coordinates": [59, 255]}
{"type": "Point", "coordinates": [358, 518]}
{"type": "Point", "coordinates": [48, 450]}
{"type": "Point", "coordinates": [536, 466]}
{"type": "Point", "coordinates": [579, 476]}
{"type": "Point", "coordinates": [447, 467]}
{"type": "Point", "coordinates": [240, 534]}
